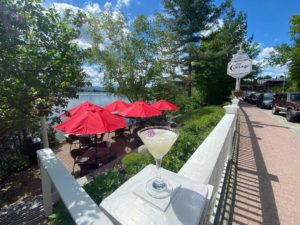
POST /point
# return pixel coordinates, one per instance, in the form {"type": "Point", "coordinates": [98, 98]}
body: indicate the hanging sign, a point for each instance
{"type": "Point", "coordinates": [240, 65]}
{"type": "Point", "coordinates": [239, 69]}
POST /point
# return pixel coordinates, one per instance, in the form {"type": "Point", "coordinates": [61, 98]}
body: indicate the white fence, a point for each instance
{"type": "Point", "coordinates": [81, 207]}
{"type": "Point", "coordinates": [205, 166]}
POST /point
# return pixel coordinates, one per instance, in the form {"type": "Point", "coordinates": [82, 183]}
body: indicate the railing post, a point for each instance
{"type": "Point", "coordinates": [47, 190]}
{"type": "Point", "coordinates": [231, 109]}
{"type": "Point", "coordinates": [44, 132]}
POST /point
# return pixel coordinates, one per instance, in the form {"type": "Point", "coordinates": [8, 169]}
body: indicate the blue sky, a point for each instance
{"type": "Point", "coordinates": [268, 20]}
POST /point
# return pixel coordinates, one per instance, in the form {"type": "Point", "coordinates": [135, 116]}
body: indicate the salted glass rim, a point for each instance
{"type": "Point", "coordinates": [158, 127]}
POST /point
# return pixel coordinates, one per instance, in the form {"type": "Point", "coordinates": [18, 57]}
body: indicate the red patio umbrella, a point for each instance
{"type": "Point", "coordinates": [140, 109]}
{"type": "Point", "coordinates": [164, 105]}
{"type": "Point", "coordinates": [92, 121]}
{"type": "Point", "coordinates": [117, 106]}
{"type": "Point", "coordinates": [79, 109]}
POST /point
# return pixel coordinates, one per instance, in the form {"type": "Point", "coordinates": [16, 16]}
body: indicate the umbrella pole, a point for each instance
{"type": "Point", "coordinates": [96, 149]}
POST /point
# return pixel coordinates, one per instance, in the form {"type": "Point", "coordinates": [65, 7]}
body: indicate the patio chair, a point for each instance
{"type": "Point", "coordinates": [119, 133]}
{"type": "Point", "coordinates": [75, 154]}
{"type": "Point", "coordinates": [98, 139]}
{"type": "Point", "coordinates": [79, 157]}
{"type": "Point", "coordinates": [72, 139]}
{"type": "Point", "coordinates": [85, 141]}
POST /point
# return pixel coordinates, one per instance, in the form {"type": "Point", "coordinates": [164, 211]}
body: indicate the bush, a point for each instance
{"type": "Point", "coordinates": [186, 103]}
{"type": "Point", "coordinates": [14, 162]}
{"type": "Point", "coordinates": [134, 162]}
{"type": "Point", "coordinates": [61, 216]}
{"type": "Point", "coordinates": [53, 142]}
{"type": "Point", "coordinates": [104, 184]}
{"type": "Point", "coordinates": [133, 158]}
{"type": "Point", "coordinates": [196, 125]}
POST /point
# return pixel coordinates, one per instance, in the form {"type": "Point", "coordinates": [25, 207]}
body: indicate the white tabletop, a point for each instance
{"type": "Point", "coordinates": [128, 206]}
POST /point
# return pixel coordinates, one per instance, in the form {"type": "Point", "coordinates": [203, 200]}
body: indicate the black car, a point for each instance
{"type": "Point", "coordinates": [265, 100]}
{"type": "Point", "coordinates": [248, 95]}
{"type": "Point", "coordinates": [253, 98]}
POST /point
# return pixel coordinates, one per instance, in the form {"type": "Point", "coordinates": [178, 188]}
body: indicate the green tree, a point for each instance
{"type": "Point", "coordinates": [40, 67]}
{"type": "Point", "coordinates": [214, 54]}
{"type": "Point", "coordinates": [294, 67]}
{"type": "Point", "coordinates": [186, 20]}
{"type": "Point", "coordinates": [127, 56]}
{"type": "Point", "coordinates": [289, 55]}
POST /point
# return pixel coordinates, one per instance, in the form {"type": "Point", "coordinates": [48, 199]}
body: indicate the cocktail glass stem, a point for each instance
{"type": "Point", "coordinates": [158, 183]}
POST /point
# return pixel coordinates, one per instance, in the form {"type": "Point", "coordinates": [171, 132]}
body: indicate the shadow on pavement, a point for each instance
{"type": "Point", "coordinates": [254, 202]}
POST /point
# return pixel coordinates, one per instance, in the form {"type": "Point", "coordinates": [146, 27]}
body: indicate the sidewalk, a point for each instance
{"type": "Point", "coordinates": [268, 176]}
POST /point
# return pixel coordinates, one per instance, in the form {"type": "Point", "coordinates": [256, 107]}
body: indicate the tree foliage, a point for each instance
{"type": "Point", "coordinates": [289, 55]}
{"type": "Point", "coordinates": [187, 20]}
{"type": "Point", "coordinates": [128, 56]}
{"type": "Point", "coordinates": [40, 67]}
{"type": "Point", "coordinates": [294, 68]}
{"type": "Point", "coordinates": [214, 54]}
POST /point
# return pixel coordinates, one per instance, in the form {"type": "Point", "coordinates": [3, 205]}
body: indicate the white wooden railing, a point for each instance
{"type": "Point", "coordinates": [81, 207]}
{"type": "Point", "coordinates": [208, 164]}
{"type": "Point", "coordinates": [205, 166]}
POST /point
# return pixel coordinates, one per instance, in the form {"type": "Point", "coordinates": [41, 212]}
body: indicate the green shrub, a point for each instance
{"type": "Point", "coordinates": [61, 216]}
{"type": "Point", "coordinates": [196, 125]}
{"type": "Point", "coordinates": [15, 162]}
{"type": "Point", "coordinates": [134, 162]}
{"type": "Point", "coordinates": [104, 184]}
{"type": "Point", "coordinates": [186, 103]}
{"type": "Point", "coordinates": [53, 142]}
{"type": "Point", "coordinates": [133, 158]}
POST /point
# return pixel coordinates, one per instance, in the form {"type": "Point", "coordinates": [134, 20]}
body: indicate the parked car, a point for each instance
{"type": "Point", "coordinates": [248, 96]}
{"type": "Point", "coordinates": [289, 103]}
{"type": "Point", "coordinates": [265, 100]}
{"type": "Point", "coordinates": [253, 98]}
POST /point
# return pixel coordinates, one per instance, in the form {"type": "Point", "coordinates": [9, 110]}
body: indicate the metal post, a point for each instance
{"type": "Point", "coordinates": [237, 84]}
{"type": "Point", "coordinates": [283, 82]}
{"type": "Point", "coordinates": [44, 132]}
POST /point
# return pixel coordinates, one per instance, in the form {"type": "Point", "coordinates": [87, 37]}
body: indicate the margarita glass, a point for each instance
{"type": "Point", "coordinates": [158, 141]}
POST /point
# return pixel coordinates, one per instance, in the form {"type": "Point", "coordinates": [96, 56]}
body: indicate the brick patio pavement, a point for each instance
{"type": "Point", "coordinates": [268, 176]}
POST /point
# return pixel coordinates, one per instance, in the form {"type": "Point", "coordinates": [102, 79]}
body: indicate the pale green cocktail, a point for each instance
{"type": "Point", "coordinates": [158, 141]}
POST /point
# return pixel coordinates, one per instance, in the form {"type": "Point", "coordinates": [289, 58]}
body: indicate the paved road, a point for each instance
{"type": "Point", "coordinates": [294, 127]}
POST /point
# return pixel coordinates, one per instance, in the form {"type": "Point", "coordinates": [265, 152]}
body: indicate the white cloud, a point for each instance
{"type": "Point", "coordinates": [265, 53]}
{"type": "Point", "coordinates": [121, 3]}
{"type": "Point", "coordinates": [267, 69]}
{"type": "Point", "coordinates": [127, 2]}
{"type": "Point", "coordinates": [93, 8]}
{"type": "Point", "coordinates": [263, 56]}
{"type": "Point", "coordinates": [107, 6]}
{"type": "Point", "coordinates": [124, 2]}
{"type": "Point", "coordinates": [61, 7]}
{"type": "Point", "coordinates": [212, 27]}
{"type": "Point", "coordinates": [94, 74]}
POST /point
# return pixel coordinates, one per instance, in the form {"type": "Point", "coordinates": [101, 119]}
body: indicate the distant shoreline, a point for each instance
{"type": "Point", "coordinates": [93, 89]}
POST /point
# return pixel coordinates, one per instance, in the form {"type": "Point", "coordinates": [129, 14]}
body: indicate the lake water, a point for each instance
{"type": "Point", "coordinates": [98, 98]}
